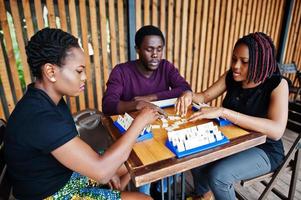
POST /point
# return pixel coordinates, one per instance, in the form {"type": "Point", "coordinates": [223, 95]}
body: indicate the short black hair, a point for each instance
{"type": "Point", "coordinates": [48, 45]}
{"type": "Point", "coordinates": [262, 59]}
{"type": "Point", "coordinates": [147, 30]}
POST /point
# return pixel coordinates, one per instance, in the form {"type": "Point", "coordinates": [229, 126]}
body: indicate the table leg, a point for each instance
{"type": "Point", "coordinates": [182, 186]}
{"type": "Point", "coordinates": [169, 187]}
{"type": "Point", "coordinates": [162, 191]}
{"type": "Point", "coordinates": [175, 186]}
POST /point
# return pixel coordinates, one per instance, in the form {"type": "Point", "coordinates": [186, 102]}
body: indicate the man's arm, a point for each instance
{"type": "Point", "coordinates": [113, 93]}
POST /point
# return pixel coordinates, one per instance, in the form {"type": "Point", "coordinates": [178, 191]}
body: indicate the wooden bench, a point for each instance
{"type": "Point", "coordinates": [290, 163]}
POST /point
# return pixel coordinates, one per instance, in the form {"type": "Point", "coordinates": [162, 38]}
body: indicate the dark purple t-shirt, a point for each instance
{"type": "Point", "coordinates": [126, 82]}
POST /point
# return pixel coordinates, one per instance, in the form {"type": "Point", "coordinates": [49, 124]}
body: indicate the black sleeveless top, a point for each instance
{"type": "Point", "coordinates": [255, 102]}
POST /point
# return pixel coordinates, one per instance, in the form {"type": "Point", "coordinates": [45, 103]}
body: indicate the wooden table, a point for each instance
{"type": "Point", "coordinates": [151, 160]}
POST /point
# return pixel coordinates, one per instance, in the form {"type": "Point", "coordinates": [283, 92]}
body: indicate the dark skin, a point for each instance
{"type": "Point", "coordinates": [150, 55]}
{"type": "Point", "coordinates": [69, 79]}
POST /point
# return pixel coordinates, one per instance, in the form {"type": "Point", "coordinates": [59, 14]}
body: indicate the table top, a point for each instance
{"type": "Point", "coordinates": [151, 160]}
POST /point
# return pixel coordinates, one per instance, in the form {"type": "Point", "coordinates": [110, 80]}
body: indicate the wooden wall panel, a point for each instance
{"type": "Point", "coordinates": [18, 27]}
{"type": "Point", "coordinates": [200, 36]}
{"type": "Point", "coordinates": [12, 65]}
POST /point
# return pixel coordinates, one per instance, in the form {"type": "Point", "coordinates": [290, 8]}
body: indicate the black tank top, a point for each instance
{"type": "Point", "coordinates": [255, 102]}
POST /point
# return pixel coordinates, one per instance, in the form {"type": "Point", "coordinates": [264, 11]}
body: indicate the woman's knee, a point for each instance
{"type": "Point", "coordinates": [220, 176]}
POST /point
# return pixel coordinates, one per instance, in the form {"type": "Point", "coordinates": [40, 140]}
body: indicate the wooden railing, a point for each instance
{"type": "Point", "coordinates": [200, 35]}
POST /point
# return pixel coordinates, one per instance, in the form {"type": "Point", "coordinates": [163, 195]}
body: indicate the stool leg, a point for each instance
{"type": "Point", "coordinates": [295, 174]}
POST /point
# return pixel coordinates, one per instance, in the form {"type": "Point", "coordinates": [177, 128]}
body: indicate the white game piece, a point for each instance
{"type": "Point", "coordinates": [155, 126]}
{"type": "Point", "coordinates": [164, 125]}
{"type": "Point", "coordinates": [164, 120]}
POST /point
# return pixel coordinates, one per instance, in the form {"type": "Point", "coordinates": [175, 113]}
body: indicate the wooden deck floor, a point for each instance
{"type": "Point", "coordinates": [253, 191]}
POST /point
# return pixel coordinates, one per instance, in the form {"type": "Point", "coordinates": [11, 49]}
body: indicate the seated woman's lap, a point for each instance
{"type": "Point", "coordinates": [244, 165]}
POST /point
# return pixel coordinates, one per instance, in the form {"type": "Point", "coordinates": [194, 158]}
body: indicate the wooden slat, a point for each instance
{"type": "Point", "coordinates": [5, 84]}
{"type": "Point", "coordinates": [39, 13]}
{"type": "Point", "coordinates": [293, 32]}
{"type": "Point", "coordinates": [196, 46]}
{"type": "Point", "coordinates": [227, 49]}
{"type": "Point", "coordinates": [202, 45]}
{"type": "Point", "coordinates": [85, 42]}
{"type": "Point", "coordinates": [169, 36]}
{"type": "Point", "coordinates": [62, 14]}
{"type": "Point", "coordinates": [155, 13]}
{"type": "Point", "coordinates": [121, 31]}
{"type": "Point", "coordinates": [212, 66]}
{"type": "Point", "coordinates": [113, 44]}
{"type": "Point", "coordinates": [219, 65]}
{"type": "Point", "coordinates": [238, 20]}
{"type": "Point", "coordinates": [28, 18]}
{"type": "Point", "coordinates": [146, 13]}
{"type": "Point", "coordinates": [267, 15]}
{"type": "Point", "coordinates": [269, 23]}
{"type": "Point", "coordinates": [297, 52]}
{"type": "Point", "coordinates": [243, 18]}
{"type": "Point", "coordinates": [248, 17]}
{"type": "Point", "coordinates": [74, 31]}
{"type": "Point", "coordinates": [253, 16]}
{"type": "Point", "coordinates": [257, 17]}
{"type": "Point", "coordinates": [279, 21]}
{"type": "Point", "coordinates": [138, 14]}
{"type": "Point", "coordinates": [103, 31]}
{"type": "Point", "coordinates": [2, 114]}
{"type": "Point", "coordinates": [162, 19]}
{"type": "Point", "coordinates": [263, 15]}
{"type": "Point", "coordinates": [188, 66]}
{"type": "Point", "coordinates": [208, 46]}
{"type": "Point", "coordinates": [20, 40]}
{"type": "Point", "coordinates": [183, 51]}
{"type": "Point", "coordinates": [96, 56]}
{"type": "Point", "coordinates": [177, 34]}
{"type": "Point", "coordinates": [51, 14]}
{"type": "Point", "coordinates": [274, 22]}
{"type": "Point", "coordinates": [10, 51]}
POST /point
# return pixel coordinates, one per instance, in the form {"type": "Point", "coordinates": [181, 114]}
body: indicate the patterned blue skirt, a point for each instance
{"type": "Point", "coordinates": [82, 187]}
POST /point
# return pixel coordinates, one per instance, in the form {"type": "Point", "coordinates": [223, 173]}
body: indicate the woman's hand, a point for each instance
{"type": "Point", "coordinates": [114, 183]}
{"type": "Point", "coordinates": [183, 102]}
{"type": "Point", "coordinates": [147, 116]}
{"type": "Point", "coordinates": [207, 113]}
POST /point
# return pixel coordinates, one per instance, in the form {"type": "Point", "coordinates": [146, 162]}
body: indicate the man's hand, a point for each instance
{"type": "Point", "coordinates": [183, 102]}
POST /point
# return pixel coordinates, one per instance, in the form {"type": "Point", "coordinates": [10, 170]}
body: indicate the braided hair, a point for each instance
{"type": "Point", "coordinates": [48, 45]}
{"type": "Point", "coordinates": [145, 31]}
{"type": "Point", "coordinates": [262, 60]}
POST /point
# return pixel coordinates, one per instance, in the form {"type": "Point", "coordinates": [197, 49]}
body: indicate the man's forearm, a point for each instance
{"type": "Point", "coordinates": [126, 106]}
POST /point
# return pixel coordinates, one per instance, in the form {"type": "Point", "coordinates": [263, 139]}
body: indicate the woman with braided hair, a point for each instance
{"type": "Point", "coordinates": [45, 157]}
{"type": "Point", "coordinates": [257, 100]}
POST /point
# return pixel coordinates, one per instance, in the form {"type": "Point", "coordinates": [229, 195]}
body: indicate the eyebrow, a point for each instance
{"type": "Point", "coordinates": [240, 57]}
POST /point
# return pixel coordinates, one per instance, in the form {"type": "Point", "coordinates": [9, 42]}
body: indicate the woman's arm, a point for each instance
{"type": "Point", "coordinates": [203, 97]}
{"type": "Point", "coordinates": [214, 91]}
{"type": "Point", "coordinates": [80, 157]}
{"type": "Point", "coordinates": [273, 126]}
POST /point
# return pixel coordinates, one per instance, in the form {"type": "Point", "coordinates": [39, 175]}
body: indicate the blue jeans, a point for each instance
{"type": "Point", "coordinates": [220, 176]}
{"type": "Point", "coordinates": [146, 188]}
